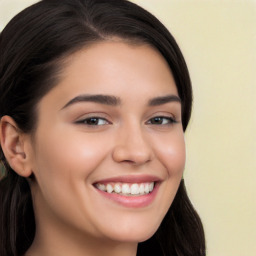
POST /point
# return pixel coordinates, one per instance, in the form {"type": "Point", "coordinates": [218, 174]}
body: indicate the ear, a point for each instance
{"type": "Point", "coordinates": [15, 146]}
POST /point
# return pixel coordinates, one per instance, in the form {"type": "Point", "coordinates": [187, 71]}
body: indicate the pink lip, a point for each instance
{"type": "Point", "coordinates": [130, 179]}
{"type": "Point", "coordinates": [131, 201]}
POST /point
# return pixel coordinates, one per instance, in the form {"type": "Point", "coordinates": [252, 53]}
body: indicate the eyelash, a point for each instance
{"type": "Point", "coordinates": [170, 120]}
{"type": "Point", "coordinates": [95, 121]}
{"type": "Point", "coordinates": [99, 121]}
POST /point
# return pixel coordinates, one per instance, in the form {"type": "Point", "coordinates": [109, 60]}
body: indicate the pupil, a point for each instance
{"type": "Point", "coordinates": [157, 120]}
{"type": "Point", "coordinates": [93, 121]}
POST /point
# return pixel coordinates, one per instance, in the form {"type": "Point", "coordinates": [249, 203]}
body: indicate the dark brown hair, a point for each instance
{"type": "Point", "coordinates": [32, 47]}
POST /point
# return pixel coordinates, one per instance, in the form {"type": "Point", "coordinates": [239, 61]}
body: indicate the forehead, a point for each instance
{"type": "Point", "coordinates": [117, 60]}
{"type": "Point", "coordinates": [116, 68]}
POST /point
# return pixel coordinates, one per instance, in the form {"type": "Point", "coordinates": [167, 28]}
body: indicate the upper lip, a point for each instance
{"type": "Point", "coordinates": [130, 179]}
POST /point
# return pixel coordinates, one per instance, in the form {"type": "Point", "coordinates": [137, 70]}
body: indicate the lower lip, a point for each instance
{"type": "Point", "coordinates": [132, 201]}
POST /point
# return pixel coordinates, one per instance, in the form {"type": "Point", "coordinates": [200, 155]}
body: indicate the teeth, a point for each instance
{"type": "Point", "coordinates": [146, 188]}
{"type": "Point", "coordinates": [135, 189]}
{"type": "Point", "coordinates": [117, 188]}
{"type": "Point", "coordinates": [141, 189]}
{"type": "Point", "coordinates": [151, 187]}
{"type": "Point", "coordinates": [109, 188]}
{"type": "Point", "coordinates": [127, 188]}
{"type": "Point", "coordinates": [101, 187]}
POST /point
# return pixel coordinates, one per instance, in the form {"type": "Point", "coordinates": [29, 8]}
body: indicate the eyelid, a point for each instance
{"type": "Point", "coordinates": [171, 118]}
{"type": "Point", "coordinates": [100, 116]}
{"type": "Point", "coordinates": [83, 121]}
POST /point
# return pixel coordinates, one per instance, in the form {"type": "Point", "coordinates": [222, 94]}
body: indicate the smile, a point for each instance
{"type": "Point", "coordinates": [126, 189]}
{"type": "Point", "coordinates": [129, 191]}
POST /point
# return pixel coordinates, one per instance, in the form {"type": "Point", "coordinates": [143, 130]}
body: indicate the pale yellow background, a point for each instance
{"type": "Point", "coordinates": [218, 39]}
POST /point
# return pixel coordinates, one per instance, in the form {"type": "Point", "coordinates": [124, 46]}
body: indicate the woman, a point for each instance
{"type": "Point", "coordinates": [95, 98]}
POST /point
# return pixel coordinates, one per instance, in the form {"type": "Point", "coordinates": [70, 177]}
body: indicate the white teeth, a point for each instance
{"type": "Point", "coordinates": [117, 188]}
{"type": "Point", "coordinates": [101, 186]}
{"type": "Point", "coordinates": [109, 188]}
{"type": "Point", "coordinates": [141, 189]}
{"type": "Point", "coordinates": [127, 188]}
{"type": "Point", "coordinates": [146, 188]}
{"type": "Point", "coordinates": [151, 187]}
{"type": "Point", "coordinates": [134, 189]}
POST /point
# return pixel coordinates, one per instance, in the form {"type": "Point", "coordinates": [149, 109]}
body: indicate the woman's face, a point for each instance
{"type": "Point", "coordinates": [108, 153]}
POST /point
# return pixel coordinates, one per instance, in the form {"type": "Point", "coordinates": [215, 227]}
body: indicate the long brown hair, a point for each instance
{"type": "Point", "coordinates": [32, 47]}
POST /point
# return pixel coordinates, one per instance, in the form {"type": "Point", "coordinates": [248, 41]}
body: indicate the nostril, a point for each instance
{"type": "Point", "coordinates": [136, 162]}
{"type": "Point", "coordinates": [131, 156]}
{"type": "Point", "coordinates": [132, 146]}
{"type": "Point", "coordinates": [128, 161]}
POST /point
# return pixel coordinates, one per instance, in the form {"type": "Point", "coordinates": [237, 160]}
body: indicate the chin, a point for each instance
{"type": "Point", "coordinates": [132, 234]}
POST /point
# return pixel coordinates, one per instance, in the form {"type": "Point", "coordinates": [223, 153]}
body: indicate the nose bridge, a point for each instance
{"type": "Point", "coordinates": [132, 144]}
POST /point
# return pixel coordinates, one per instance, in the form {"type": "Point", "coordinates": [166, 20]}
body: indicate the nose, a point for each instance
{"type": "Point", "coordinates": [132, 146]}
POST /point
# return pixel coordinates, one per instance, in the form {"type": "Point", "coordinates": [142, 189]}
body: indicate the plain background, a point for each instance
{"type": "Point", "coordinates": [218, 40]}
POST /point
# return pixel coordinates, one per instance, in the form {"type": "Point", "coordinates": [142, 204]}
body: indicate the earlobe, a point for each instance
{"type": "Point", "coordinates": [13, 145]}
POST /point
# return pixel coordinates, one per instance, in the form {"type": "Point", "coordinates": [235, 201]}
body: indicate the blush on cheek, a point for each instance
{"type": "Point", "coordinates": [173, 156]}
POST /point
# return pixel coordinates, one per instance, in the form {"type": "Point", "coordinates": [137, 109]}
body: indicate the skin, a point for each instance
{"type": "Point", "coordinates": [67, 156]}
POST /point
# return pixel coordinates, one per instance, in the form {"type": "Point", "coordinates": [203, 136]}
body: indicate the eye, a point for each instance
{"type": "Point", "coordinates": [161, 120]}
{"type": "Point", "coordinates": [93, 121]}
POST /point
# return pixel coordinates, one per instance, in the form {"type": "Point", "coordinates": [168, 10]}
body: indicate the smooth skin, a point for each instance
{"type": "Point", "coordinates": [135, 130]}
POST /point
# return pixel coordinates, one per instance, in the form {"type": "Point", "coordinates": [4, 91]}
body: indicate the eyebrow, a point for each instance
{"type": "Point", "coordinates": [98, 98]}
{"type": "Point", "coordinates": [164, 99]}
{"type": "Point", "coordinates": [116, 101]}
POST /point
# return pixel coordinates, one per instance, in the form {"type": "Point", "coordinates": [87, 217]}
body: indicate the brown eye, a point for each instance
{"type": "Point", "coordinates": [93, 121]}
{"type": "Point", "coordinates": [161, 120]}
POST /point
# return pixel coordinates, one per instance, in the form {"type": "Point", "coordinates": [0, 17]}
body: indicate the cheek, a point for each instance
{"type": "Point", "coordinates": [64, 163]}
{"type": "Point", "coordinates": [172, 153]}
{"type": "Point", "coordinates": [68, 152]}
{"type": "Point", "coordinates": [63, 167]}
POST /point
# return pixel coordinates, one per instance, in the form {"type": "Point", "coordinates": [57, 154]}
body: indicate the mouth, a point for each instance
{"type": "Point", "coordinates": [129, 191]}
